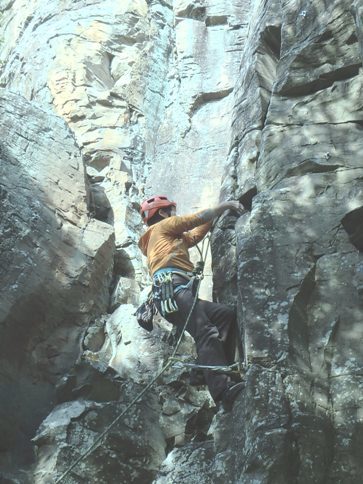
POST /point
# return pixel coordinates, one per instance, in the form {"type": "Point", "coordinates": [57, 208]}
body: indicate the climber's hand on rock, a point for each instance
{"type": "Point", "coordinates": [212, 213]}
{"type": "Point", "coordinates": [236, 206]}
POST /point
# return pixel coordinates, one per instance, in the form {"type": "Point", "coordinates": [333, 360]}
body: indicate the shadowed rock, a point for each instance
{"type": "Point", "coordinates": [50, 252]}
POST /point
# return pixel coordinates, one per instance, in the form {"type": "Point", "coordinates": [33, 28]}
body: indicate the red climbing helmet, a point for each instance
{"type": "Point", "coordinates": [150, 206]}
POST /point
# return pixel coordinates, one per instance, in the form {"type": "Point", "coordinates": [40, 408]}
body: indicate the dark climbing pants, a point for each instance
{"type": "Point", "coordinates": [213, 327]}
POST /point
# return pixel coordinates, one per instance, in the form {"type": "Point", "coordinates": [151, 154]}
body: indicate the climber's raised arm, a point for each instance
{"type": "Point", "coordinates": [212, 213]}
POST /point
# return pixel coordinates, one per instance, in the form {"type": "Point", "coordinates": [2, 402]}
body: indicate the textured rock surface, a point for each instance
{"type": "Point", "coordinates": [298, 270]}
{"type": "Point", "coordinates": [253, 100]}
{"type": "Point", "coordinates": [131, 452]}
{"type": "Point", "coordinates": [55, 265]}
{"type": "Point", "coordinates": [114, 367]}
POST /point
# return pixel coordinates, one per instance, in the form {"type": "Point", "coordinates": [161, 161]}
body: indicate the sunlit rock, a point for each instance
{"type": "Point", "coordinates": [199, 100]}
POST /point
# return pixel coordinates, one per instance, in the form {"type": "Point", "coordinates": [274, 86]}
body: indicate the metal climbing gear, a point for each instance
{"type": "Point", "coordinates": [145, 313]}
{"type": "Point", "coordinates": [180, 363]}
{"type": "Point", "coordinates": [163, 290]}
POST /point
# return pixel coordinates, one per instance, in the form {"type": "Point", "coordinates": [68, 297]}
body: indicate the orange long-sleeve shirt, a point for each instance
{"type": "Point", "coordinates": [167, 242]}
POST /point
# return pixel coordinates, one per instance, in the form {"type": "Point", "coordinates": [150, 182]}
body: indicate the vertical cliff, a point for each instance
{"type": "Point", "coordinates": [103, 103]}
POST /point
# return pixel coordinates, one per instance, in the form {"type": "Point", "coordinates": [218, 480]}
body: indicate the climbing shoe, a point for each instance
{"type": "Point", "coordinates": [230, 394]}
{"type": "Point", "coordinates": [196, 378]}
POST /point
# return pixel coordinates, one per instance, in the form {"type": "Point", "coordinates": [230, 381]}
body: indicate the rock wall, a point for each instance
{"type": "Point", "coordinates": [298, 265]}
{"type": "Point", "coordinates": [56, 265]}
{"type": "Point", "coordinates": [104, 103]}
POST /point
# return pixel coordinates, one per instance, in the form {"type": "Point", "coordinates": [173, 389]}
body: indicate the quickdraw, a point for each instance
{"type": "Point", "coordinates": [234, 368]}
{"type": "Point", "coordinates": [163, 283]}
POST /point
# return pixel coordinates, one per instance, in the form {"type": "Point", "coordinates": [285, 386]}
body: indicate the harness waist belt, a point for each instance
{"type": "Point", "coordinates": [189, 276]}
{"type": "Point", "coordinates": [173, 270]}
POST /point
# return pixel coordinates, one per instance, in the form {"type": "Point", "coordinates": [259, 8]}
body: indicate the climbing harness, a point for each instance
{"type": "Point", "coordinates": [164, 290]}
{"type": "Point", "coordinates": [168, 364]}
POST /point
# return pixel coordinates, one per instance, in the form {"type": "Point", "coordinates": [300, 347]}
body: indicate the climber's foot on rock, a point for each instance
{"type": "Point", "coordinates": [230, 394]}
{"type": "Point", "coordinates": [196, 378]}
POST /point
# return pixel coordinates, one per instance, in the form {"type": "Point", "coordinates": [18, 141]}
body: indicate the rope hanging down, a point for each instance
{"type": "Point", "coordinates": [169, 362]}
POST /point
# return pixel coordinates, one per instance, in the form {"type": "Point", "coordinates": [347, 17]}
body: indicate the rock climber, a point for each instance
{"type": "Point", "coordinates": [212, 325]}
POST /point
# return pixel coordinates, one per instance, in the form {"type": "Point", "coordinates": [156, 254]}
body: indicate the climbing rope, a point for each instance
{"type": "Point", "coordinates": [150, 384]}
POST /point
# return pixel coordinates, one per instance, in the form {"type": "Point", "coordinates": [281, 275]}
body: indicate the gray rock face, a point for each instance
{"type": "Point", "coordinates": [131, 452]}
{"type": "Point", "coordinates": [51, 252]}
{"type": "Point", "coordinates": [298, 270]}
{"type": "Point", "coordinates": [202, 100]}
{"type": "Point", "coordinates": [113, 369]}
